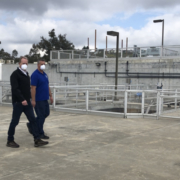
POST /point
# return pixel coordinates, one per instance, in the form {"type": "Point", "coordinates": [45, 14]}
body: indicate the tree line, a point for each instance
{"type": "Point", "coordinates": [45, 45]}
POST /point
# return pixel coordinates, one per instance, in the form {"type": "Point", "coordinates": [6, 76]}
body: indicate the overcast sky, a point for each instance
{"type": "Point", "coordinates": [22, 22]}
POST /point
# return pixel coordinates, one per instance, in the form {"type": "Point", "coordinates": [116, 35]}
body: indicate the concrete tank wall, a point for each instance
{"type": "Point", "coordinates": [57, 70]}
{"type": "Point", "coordinates": [7, 70]}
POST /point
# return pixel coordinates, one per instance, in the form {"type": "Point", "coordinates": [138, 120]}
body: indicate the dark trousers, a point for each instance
{"type": "Point", "coordinates": [42, 112]}
{"type": "Point", "coordinates": [18, 109]}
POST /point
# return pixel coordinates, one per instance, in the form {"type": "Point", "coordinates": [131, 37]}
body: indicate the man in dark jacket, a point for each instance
{"type": "Point", "coordinates": [21, 95]}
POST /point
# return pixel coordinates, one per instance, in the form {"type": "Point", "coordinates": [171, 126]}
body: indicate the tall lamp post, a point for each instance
{"type": "Point", "coordinates": [158, 21]}
{"type": "Point", "coordinates": [114, 33]}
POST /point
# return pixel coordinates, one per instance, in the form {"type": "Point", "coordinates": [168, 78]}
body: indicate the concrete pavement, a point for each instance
{"type": "Point", "coordinates": [87, 147]}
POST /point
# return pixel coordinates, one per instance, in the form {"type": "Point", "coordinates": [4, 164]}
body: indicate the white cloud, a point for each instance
{"type": "Point", "coordinates": [23, 28]}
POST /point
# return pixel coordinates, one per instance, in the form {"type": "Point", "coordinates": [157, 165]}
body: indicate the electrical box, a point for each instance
{"type": "Point", "coordinates": [128, 81]}
{"type": "Point", "coordinates": [66, 79]}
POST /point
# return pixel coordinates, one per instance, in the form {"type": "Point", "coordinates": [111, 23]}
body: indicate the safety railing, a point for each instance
{"type": "Point", "coordinates": [130, 52]}
{"type": "Point", "coordinates": [103, 99]}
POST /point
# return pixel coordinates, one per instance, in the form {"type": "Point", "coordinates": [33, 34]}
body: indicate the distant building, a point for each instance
{"type": "Point", "coordinates": [153, 51]}
{"type": "Point", "coordinates": [2, 61]}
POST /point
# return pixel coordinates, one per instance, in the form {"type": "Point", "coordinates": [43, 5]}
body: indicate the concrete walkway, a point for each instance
{"type": "Point", "coordinates": [84, 147]}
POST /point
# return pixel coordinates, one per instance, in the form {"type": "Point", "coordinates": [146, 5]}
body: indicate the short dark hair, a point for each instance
{"type": "Point", "coordinates": [22, 57]}
{"type": "Point", "coordinates": [40, 60]}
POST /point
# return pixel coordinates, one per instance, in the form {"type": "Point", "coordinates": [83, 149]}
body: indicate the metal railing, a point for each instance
{"type": "Point", "coordinates": [130, 52]}
{"type": "Point", "coordinates": [102, 99]}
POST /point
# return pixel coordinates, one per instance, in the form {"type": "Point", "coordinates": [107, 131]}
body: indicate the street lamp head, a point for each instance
{"type": "Point", "coordinates": [158, 20]}
{"type": "Point", "coordinates": [112, 33]}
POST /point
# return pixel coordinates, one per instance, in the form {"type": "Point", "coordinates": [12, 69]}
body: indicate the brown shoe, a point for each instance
{"type": "Point", "coordinates": [12, 144]}
{"type": "Point", "coordinates": [39, 142]}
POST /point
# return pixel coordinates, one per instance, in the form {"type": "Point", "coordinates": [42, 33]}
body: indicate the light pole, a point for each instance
{"type": "Point", "coordinates": [114, 33]}
{"type": "Point", "coordinates": [158, 21]}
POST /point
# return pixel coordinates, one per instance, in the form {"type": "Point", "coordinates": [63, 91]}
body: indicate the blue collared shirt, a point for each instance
{"type": "Point", "coordinates": [40, 80]}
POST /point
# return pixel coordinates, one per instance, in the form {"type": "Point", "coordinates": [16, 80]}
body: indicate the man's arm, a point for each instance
{"type": "Point", "coordinates": [50, 95]}
{"type": "Point", "coordinates": [33, 95]}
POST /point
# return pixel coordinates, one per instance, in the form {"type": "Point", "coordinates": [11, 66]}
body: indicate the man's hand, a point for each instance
{"type": "Point", "coordinates": [24, 103]}
{"type": "Point", "coordinates": [51, 100]}
{"type": "Point", "coordinates": [33, 103]}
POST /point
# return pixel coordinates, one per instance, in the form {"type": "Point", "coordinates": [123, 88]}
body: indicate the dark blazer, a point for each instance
{"type": "Point", "coordinates": [20, 86]}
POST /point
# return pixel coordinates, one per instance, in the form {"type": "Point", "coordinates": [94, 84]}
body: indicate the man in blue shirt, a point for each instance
{"type": "Point", "coordinates": [40, 93]}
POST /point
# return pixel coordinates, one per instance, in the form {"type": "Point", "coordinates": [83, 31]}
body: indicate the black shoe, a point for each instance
{"type": "Point", "coordinates": [29, 129]}
{"type": "Point", "coordinates": [39, 142]}
{"type": "Point", "coordinates": [43, 136]}
{"type": "Point", "coordinates": [12, 144]}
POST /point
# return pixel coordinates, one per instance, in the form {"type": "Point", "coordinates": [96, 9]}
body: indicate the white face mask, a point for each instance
{"type": "Point", "coordinates": [24, 66]}
{"type": "Point", "coordinates": [42, 67]}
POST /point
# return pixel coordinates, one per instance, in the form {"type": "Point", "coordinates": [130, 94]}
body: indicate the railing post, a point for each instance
{"type": "Point", "coordinates": [125, 104]}
{"type": "Point", "coordinates": [104, 54]}
{"type": "Point", "coordinates": [121, 53]}
{"type": "Point", "coordinates": [140, 52]}
{"type": "Point", "coordinates": [54, 97]}
{"type": "Point", "coordinates": [176, 100]}
{"type": "Point", "coordinates": [87, 100]}
{"type": "Point", "coordinates": [96, 97]}
{"type": "Point", "coordinates": [160, 100]}
{"type": "Point", "coordinates": [142, 107]}
{"type": "Point", "coordinates": [88, 54]}
{"type": "Point", "coordinates": [157, 104]}
{"type": "Point", "coordinates": [72, 54]}
{"type": "Point", "coordinates": [76, 96]}
{"type": "Point", "coordinates": [58, 55]}
{"type": "Point", "coordinates": [0, 94]}
{"type": "Point", "coordinates": [50, 55]}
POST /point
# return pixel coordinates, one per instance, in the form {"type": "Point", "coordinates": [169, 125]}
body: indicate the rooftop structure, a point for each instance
{"type": "Point", "coordinates": [134, 52]}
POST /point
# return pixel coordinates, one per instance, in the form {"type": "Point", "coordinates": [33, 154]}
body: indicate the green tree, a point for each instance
{"type": "Point", "coordinates": [85, 47]}
{"type": "Point", "coordinates": [53, 42]}
{"type": "Point", "coordinates": [14, 53]}
{"type": "Point", "coordinates": [4, 55]}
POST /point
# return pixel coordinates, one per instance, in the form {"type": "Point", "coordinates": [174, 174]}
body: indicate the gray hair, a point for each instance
{"type": "Point", "coordinates": [40, 60]}
{"type": "Point", "coordinates": [22, 57]}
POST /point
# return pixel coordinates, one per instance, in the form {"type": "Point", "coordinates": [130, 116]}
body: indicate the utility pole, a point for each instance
{"type": "Point", "coordinates": [88, 42]}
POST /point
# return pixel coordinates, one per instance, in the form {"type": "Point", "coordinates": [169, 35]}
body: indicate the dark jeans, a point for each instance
{"type": "Point", "coordinates": [42, 112]}
{"type": "Point", "coordinates": [18, 108]}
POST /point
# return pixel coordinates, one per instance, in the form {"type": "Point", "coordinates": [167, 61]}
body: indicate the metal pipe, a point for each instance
{"type": "Point", "coordinates": [95, 40]}
{"type": "Point", "coordinates": [126, 45]}
{"type": "Point", "coordinates": [106, 43]}
{"type": "Point", "coordinates": [116, 78]}
{"type": "Point", "coordinates": [163, 33]}
{"type": "Point", "coordinates": [162, 37]}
